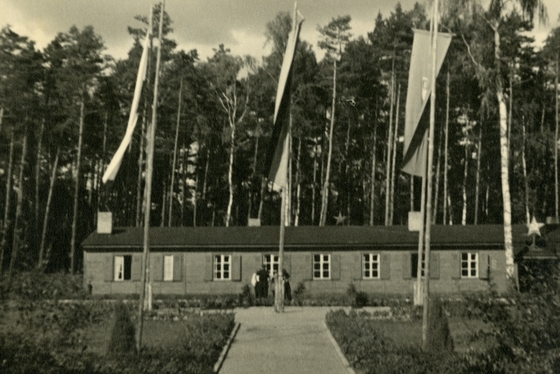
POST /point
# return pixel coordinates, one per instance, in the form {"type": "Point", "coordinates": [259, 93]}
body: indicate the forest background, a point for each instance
{"type": "Point", "coordinates": [64, 109]}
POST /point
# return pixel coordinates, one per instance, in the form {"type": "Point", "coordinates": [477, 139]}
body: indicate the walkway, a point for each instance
{"type": "Point", "coordinates": [296, 341]}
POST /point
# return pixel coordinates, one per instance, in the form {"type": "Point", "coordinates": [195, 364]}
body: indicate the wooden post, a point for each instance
{"type": "Point", "coordinates": [145, 276]}
{"type": "Point", "coordinates": [429, 173]}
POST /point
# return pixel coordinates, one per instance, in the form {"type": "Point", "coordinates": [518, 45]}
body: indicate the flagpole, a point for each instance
{"type": "Point", "coordinates": [429, 171]}
{"type": "Point", "coordinates": [279, 283]}
{"type": "Point", "coordinates": [145, 275]}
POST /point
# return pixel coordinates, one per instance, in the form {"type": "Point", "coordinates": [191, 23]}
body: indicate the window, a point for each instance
{"type": "Point", "coordinates": [270, 262]}
{"type": "Point", "coordinates": [370, 266]}
{"type": "Point", "coordinates": [414, 265]}
{"type": "Point", "coordinates": [168, 268]}
{"type": "Point", "coordinates": [222, 267]}
{"type": "Point", "coordinates": [321, 266]}
{"type": "Point", "coordinates": [123, 268]}
{"type": "Point", "coordinates": [469, 265]}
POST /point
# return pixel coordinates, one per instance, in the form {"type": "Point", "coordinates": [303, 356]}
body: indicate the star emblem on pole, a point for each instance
{"type": "Point", "coordinates": [340, 219]}
{"type": "Point", "coordinates": [534, 227]}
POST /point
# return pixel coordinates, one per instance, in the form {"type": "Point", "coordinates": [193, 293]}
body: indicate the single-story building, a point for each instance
{"type": "Point", "coordinates": [378, 259]}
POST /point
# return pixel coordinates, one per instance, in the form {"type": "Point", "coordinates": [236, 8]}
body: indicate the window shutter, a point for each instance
{"type": "Point", "coordinates": [406, 265]}
{"type": "Point", "coordinates": [483, 261]}
{"type": "Point", "coordinates": [357, 267]}
{"type": "Point", "coordinates": [108, 275]}
{"type": "Point", "coordinates": [308, 267]}
{"type": "Point", "coordinates": [156, 267]}
{"type": "Point", "coordinates": [335, 266]}
{"type": "Point", "coordinates": [258, 262]}
{"type": "Point", "coordinates": [236, 267]}
{"type": "Point", "coordinates": [208, 268]}
{"type": "Point", "coordinates": [177, 267]}
{"type": "Point", "coordinates": [287, 265]}
{"type": "Point", "coordinates": [136, 273]}
{"type": "Point", "coordinates": [456, 265]}
{"type": "Point", "coordinates": [434, 265]}
{"type": "Point", "coordinates": [385, 266]}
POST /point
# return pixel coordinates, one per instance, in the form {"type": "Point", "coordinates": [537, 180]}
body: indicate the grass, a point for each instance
{"type": "Point", "coordinates": [409, 333]}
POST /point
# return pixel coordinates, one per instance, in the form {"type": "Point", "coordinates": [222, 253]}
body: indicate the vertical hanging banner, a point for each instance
{"type": "Point", "coordinates": [276, 163]}
{"type": "Point", "coordinates": [419, 90]}
{"type": "Point", "coordinates": [116, 161]}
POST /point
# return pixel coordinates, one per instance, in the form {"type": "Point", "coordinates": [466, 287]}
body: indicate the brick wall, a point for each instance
{"type": "Point", "coordinates": [193, 272]}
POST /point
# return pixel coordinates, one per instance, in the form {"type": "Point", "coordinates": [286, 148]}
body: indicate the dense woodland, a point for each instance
{"type": "Point", "coordinates": [64, 110]}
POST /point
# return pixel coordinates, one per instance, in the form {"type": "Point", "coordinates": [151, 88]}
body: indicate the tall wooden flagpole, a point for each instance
{"type": "Point", "coordinates": [148, 188]}
{"type": "Point", "coordinates": [279, 282]}
{"type": "Point", "coordinates": [429, 172]}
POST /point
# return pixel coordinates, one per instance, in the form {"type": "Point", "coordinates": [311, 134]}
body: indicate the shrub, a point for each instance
{"type": "Point", "coordinates": [246, 297]}
{"type": "Point", "coordinates": [123, 339]}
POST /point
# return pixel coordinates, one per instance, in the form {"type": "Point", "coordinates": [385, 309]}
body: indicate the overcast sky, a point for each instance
{"type": "Point", "coordinates": [199, 24]}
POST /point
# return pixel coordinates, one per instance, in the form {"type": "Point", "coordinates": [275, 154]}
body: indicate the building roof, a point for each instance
{"type": "Point", "coordinates": [487, 236]}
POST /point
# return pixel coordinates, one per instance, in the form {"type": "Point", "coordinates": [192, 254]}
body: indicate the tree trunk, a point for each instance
{"type": "Point", "coordinates": [7, 206]}
{"type": "Point", "coordinates": [373, 175]}
{"type": "Point", "coordinates": [41, 264]}
{"type": "Point", "coordinates": [230, 174]}
{"type": "Point", "coordinates": [73, 240]}
{"type": "Point", "coordinates": [478, 162]}
{"type": "Point", "coordinates": [394, 160]}
{"type": "Point", "coordinates": [18, 232]}
{"type": "Point", "coordinates": [465, 178]}
{"type": "Point", "coordinates": [556, 198]}
{"type": "Point", "coordinates": [172, 185]}
{"type": "Point", "coordinates": [437, 178]}
{"type": "Point", "coordinates": [389, 146]}
{"type": "Point", "coordinates": [325, 193]}
{"type": "Point", "coordinates": [524, 167]}
{"type": "Point", "coordinates": [38, 179]}
{"type": "Point", "coordinates": [504, 156]}
{"type": "Point", "coordinates": [446, 155]}
{"type": "Point", "coordinates": [298, 184]}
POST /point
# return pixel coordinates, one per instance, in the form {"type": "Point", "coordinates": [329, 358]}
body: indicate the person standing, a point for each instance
{"type": "Point", "coordinates": [262, 283]}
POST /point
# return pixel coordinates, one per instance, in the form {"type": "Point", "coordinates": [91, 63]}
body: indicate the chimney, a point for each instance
{"type": "Point", "coordinates": [104, 222]}
{"type": "Point", "coordinates": [414, 221]}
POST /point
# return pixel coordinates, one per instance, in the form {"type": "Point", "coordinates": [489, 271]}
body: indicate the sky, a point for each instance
{"type": "Point", "coordinates": [201, 24]}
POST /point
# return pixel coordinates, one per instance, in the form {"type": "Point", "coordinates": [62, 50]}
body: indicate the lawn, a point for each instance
{"type": "Point", "coordinates": [47, 336]}
{"type": "Point", "coordinates": [409, 333]}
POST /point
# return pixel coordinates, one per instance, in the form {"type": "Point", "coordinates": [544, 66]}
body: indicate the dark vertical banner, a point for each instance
{"type": "Point", "coordinates": [419, 90]}
{"type": "Point", "coordinates": [276, 163]}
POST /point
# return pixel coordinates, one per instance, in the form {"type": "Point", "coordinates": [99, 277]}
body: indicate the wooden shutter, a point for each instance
{"type": "Point", "coordinates": [236, 267]}
{"type": "Point", "coordinates": [385, 266]}
{"type": "Point", "coordinates": [483, 261]}
{"type": "Point", "coordinates": [109, 264]}
{"type": "Point", "coordinates": [456, 265]}
{"type": "Point", "coordinates": [156, 267]}
{"type": "Point", "coordinates": [335, 266]}
{"type": "Point", "coordinates": [177, 267]}
{"type": "Point", "coordinates": [307, 267]}
{"type": "Point", "coordinates": [136, 271]}
{"type": "Point", "coordinates": [357, 266]}
{"type": "Point", "coordinates": [208, 268]}
{"type": "Point", "coordinates": [406, 265]}
{"type": "Point", "coordinates": [434, 265]}
{"type": "Point", "coordinates": [287, 263]}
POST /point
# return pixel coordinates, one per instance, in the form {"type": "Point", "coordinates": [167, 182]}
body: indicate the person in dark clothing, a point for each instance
{"type": "Point", "coordinates": [262, 283]}
{"type": "Point", "coordinates": [287, 287]}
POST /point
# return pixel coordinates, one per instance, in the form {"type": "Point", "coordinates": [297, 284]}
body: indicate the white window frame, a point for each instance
{"type": "Point", "coordinates": [271, 263]}
{"type": "Point", "coordinates": [119, 268]}
{"type": "Point", "coordinates": [469, 265]}
{"type": "Point", "coordinates": [222, 267]}
{"type": "Point", "coordinates": [324, 264]}
{"type": "Point", "coordinates": [371, 262]}
{"type": "Point", "coordinates": [168, 268]}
